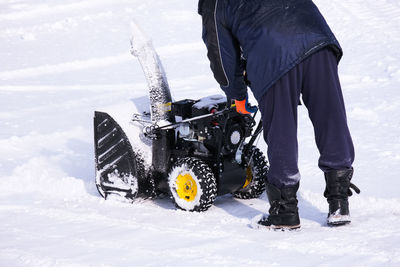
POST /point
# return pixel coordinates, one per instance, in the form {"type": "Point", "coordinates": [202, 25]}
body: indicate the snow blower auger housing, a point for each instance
{"type": "Point", "coordinates": [198, 146]}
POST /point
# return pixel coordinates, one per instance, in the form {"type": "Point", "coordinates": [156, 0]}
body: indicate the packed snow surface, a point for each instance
{"type": "Point", "coordinates": [61, 60]}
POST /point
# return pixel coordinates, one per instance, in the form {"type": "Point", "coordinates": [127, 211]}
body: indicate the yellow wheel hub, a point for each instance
{"type": "Point", "coordinates": [186, 187]}
{"type": "Point", "coordinates": [249, 177]}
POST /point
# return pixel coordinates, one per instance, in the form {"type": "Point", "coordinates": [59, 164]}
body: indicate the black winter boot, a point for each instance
{"type": "Point", "coordinates": [337, 192]}
{"type": "Point", "coordinates": [283, 213]}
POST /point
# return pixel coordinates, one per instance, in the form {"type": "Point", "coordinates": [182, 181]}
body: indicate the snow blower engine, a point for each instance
{"type": "Point", "coordinates": [198, 146]}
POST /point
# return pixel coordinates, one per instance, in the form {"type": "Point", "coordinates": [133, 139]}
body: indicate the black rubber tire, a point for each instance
{"type": "Point", "coordinates": [259, 169]}
{"type": "Point", "coordinates": [202, 175]}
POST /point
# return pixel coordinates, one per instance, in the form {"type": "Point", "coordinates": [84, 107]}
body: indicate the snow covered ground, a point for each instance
{"type": "Point", "coordinates": [61, 60]}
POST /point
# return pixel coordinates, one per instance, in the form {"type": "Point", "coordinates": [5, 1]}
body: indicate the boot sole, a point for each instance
{"type": "Point", "coordinates": [338, 220]}
{"type": "Point", "coordinates": [255, 224]}
{"type": "Point", "coordinates": [283, 227]}
{"type": "Point", "coordinates": [339, 223]}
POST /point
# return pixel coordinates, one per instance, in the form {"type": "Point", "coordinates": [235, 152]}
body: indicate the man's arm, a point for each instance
{"type": "Point", "coordinates": [223, 53]}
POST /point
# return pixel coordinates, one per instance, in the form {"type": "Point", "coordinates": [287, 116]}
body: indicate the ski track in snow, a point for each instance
{"type": "Point", "coordinates": [62, 61]}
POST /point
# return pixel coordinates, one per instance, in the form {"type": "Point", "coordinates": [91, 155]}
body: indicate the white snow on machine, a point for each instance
{"type": "Point", "coordinates": [198, 146]}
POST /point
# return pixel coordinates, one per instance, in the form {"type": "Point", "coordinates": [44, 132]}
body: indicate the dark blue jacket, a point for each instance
{"type": "Point", "coordinates": [272, 35]}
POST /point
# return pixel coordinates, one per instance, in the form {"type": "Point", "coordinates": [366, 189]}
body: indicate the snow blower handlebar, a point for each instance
{"type": "Point", "coordinates": [174, 125]}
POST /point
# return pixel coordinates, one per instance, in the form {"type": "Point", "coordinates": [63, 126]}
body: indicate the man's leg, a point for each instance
{"type": "Point", "coordinates": [279, 113]}
{"type": "Point", "coordinates": [323, 97]}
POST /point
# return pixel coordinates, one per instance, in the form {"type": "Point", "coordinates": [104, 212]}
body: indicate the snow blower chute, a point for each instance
{"type": "Point", "coordinates": [198, 146]}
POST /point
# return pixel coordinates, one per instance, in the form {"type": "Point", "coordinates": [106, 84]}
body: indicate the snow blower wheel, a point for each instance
{"type": "Point", "coordinates": [256, 174]}
{"type": "Point", "coordinates": [192, 185]}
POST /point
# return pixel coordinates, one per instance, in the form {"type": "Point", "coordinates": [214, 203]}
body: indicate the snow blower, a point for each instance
{"type": "Point", "coordinates": [198, 146]}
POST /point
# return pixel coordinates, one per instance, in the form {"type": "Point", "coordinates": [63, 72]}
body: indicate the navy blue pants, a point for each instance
{"type": "Point", "coordinates": [316, 79]}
